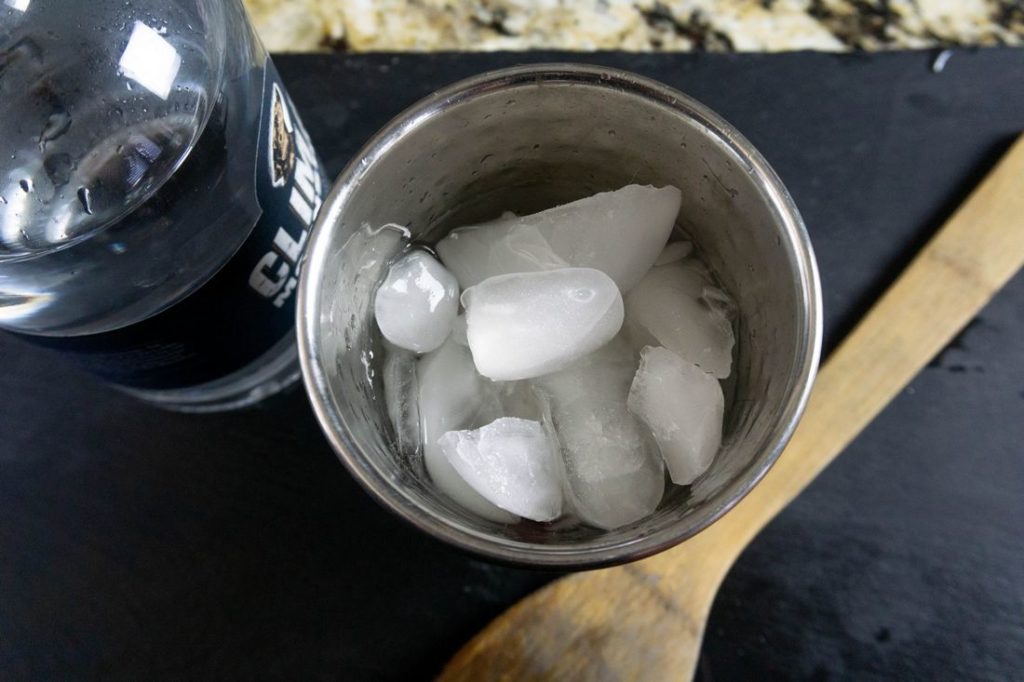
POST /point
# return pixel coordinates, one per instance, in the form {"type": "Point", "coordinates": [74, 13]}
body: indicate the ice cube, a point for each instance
{"type": "Point", "coordinates": [453, 396]}
{"type": "Point", "coordinates": [500, 247]}
{"type": "Point", "coordinates": [451, 393]}
{"type": "Point", "coordinates": [614, 475]}
{"type": "Point", "coordinates": [511, 463]}
{"type": "Point", "coordinates": [450, 482]}
{"type": "Point", "coordinates": [417, 302]}
{"type": "Point", "coordinates": [620, 233]}
{"type": "Point", "coordinates": [577, 381]}
{"type": "Point", "coordinates": [683, 407]}
{"type": "Point", "coordinates": [696, 271]}
{"type": "Point", "coordinates": [518, 400]}
{"type": "Point", "coordinates": [669, 308]}
{"type": "Point", "coordinates": [674, 251]}
{"type": "Point", "coordinates": [719, 301]}
{"type": "Point", "coordinates": [459, 331]}
{"type": "Point", "coordinates": [528, 324]}
{"type": "Point", "coordinates": [401, 397]}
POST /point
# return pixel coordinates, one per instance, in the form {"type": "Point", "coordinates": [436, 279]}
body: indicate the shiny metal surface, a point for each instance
{"type": "Point", "coordinates": [524, 139]}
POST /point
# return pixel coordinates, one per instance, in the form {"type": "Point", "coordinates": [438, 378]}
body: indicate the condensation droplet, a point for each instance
{"type": "Point", "coordinates": [56, 125]}
{"type": "Point", "coordinates": [85, 198]}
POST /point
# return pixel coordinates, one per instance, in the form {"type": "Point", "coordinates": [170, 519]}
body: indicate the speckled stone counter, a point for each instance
{"type": "Point", "coordinates": [638, 25]}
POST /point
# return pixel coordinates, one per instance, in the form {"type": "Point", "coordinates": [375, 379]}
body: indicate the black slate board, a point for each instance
{"type": "Point", "coordinates": [139, 544]}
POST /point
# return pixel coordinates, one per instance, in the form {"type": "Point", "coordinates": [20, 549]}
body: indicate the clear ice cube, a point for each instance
{"type": "Point", "coordinates": [459, 331]}
{"type": "Point", "coordinates": [518, 399]}
{"type": "Point", "coordinates": [401, 397]}
{"type": "Point", "coordinates": [620, 233]}
{"type": "Point", "coordinates": [528, 324]}
{"type": "Point", "coordinates": [614, 475]}
{"type": "Point", "coordinates": [719, 301]}
{"type": "Point", "coordinates": [453, 396]}
{"type": "Point", "coordinates": [683, 406]}
{"type": "Point", "coordinates": [511, 463]}
{"type": "Point", "coordinates": [674, 251]}
{"type": "Point", "coordinates": [670, 308]}
{"type": "Point", "coordinates": [417, 302]}
{"type": "Point", "coordinates": [500, 247]}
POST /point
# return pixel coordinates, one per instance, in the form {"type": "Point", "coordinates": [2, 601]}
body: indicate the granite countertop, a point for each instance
{"type": "Point", "coordinates": [635, 25]}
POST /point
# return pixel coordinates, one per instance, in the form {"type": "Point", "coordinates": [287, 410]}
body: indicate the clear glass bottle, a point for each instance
{"type": "Point", "coordinates": [156, 190]}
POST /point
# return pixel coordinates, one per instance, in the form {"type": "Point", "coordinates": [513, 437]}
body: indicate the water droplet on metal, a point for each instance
{"type": "Point", "coordinates": [56, 125]}
{"type": "Point", "coordinates": [85, 199]}
{"type": "Point", "coordinates": [58, 168]}
{"type": "Point", "coordinates": [26, 185]}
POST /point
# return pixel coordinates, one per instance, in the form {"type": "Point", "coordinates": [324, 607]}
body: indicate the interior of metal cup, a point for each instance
{"type": "Point", "coordinates": [523, 140]}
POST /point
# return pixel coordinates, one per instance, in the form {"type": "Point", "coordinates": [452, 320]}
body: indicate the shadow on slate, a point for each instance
{"type": "Point", "coordinates": [141, 544]}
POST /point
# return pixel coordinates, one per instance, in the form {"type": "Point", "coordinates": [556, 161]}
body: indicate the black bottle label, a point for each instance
{"type": "Point", "coordinates": [248, 306]}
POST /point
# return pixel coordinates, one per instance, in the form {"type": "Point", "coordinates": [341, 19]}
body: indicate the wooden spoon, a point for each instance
{"type": "Point", "coordinates": [645, 620]}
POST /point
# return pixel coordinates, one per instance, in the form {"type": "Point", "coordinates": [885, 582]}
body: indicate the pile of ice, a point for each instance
{"type": "Point", "coordinates": [581, 361]}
